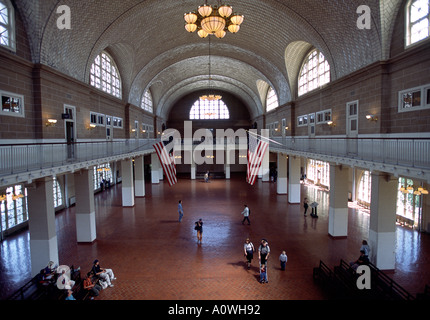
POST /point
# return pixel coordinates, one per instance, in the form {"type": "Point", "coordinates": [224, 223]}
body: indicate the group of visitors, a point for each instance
{"type": "Point", "coordinates": [97, 279]}
{"type": "Point", "coordinates": [263, 257]}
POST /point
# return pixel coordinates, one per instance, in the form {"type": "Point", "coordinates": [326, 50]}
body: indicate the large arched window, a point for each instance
{"type": "Point", "coordinates": [209, 109]}
{"type": "Point", "coordinates": [7, 25]}
{"type": "Point", "coordinates": [417, 21]}
{"type": "Point", "coordinates": [364, 189]}
{"type": "Point", "coordinates": [13, 207]}
{"type": "Point", "coordinates": [58, 197]}
{"type": "Point", "coordinates": [104, 75]}
{"type": "Point", "coordinates": [271, 100]}
{"type": "Point", "coordinates": [315, 72]}
{"type": "Point", "coordinates": [146, 103]}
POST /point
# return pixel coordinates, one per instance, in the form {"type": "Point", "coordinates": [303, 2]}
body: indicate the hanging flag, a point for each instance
{"type": "Point", "coordinates": [256, 150]}
{"type": "Point", "coordinates": [167, 162]}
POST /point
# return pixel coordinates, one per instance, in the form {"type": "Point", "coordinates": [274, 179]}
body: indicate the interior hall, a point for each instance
{"type": "Point", "coordinates": [313, 117]}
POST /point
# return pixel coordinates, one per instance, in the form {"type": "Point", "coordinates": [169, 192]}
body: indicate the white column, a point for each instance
{"type": "Point", "coordinates": [265, 168]}
{"type": "Point", "coordinates": [127, 183]}
{"type": "Point", "coordinates": [193, 166]}
{"type": "Point", "coordinates": [43, 235]}
{"type": "Point", "coordinates": [294, 179]}
{"type": "Point", "coordinates": [338, 209]}
{"type": "Point", "coordinates": [85, 211]}
{"type": "Point", "coordinates": [282, 180]}
{"type": "Point", "coordinates": [155, 164]}
{"type": "Point", "coordinates": [139, 179]}
{"type": "Point", "coordinates": [382, 226]}
{"type": "Point", "coordinates": [227, 160]}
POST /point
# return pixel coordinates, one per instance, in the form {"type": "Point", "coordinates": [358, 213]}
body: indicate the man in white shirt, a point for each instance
{"type": "Point", "coordinates": [245, 213]}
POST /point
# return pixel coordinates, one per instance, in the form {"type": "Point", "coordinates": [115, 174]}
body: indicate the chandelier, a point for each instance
{"type": "Point", "coordinates": [213, 20]}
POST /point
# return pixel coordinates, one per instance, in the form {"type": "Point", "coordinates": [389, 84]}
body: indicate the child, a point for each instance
{"type": "Point", "coordinates": [283, 259]}
{"type": "Point", "coordinates": [263, 274]}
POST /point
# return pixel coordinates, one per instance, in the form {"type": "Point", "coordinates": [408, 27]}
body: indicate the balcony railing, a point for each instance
{"type": "Point", "coordinates": [409, 152]}
{"type": "Point", "coordinates": [19, 158]}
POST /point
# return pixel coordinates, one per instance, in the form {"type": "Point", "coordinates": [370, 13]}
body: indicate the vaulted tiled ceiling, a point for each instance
{"type": "Point", "coordinates": [148, 41]}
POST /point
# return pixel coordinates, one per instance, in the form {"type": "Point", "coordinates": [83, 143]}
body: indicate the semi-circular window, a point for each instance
{"type": "Point", "coordinates": [209, 109]}
{"type": "Point", "coordinates": [104, 75]}
{"type": "Point", "coordinates": [315, 72]}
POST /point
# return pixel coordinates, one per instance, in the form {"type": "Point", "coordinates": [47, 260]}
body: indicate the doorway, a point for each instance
{"type": "Point", "coordinates": [352, 127]}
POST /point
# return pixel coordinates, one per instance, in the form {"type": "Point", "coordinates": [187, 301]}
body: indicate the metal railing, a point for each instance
{"type": "Point", "coordinates": [18, 158]}
{"type": "Point", "coordinates": [410, 152]}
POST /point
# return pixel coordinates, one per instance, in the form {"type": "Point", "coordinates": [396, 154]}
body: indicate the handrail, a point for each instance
{"type": "Point", "coordinates": [407, 152]}
{"type": "Point", "coordinates": [21, 158]}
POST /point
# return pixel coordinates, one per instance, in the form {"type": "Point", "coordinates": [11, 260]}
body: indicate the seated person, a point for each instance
{"type": "Point", "coordinates": [363, 259]}
{"type": "Point", "coordinates": [105, 274]}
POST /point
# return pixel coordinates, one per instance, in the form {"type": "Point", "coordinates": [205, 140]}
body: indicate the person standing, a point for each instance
{"type": "Point", "coordinates": [305, 205]}
{"type": "Point", "coordinates": [248, 249]}
{"type": "Point", "coordinates": [263, 254]}
{"type": "Point", "coordinates": [180, 210]}
{"type": "Point", "coordinates": [199, 227]}
{"type": "Point", "coordinates": [283, 260]}
{"type": "Point", "coordinates": [245, 213]}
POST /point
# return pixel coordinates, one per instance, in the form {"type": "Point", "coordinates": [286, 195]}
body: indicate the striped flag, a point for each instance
{"type": "Point", "coordinates": [167, 162]}
{"type": "Point", "coordinates": [256, 150]}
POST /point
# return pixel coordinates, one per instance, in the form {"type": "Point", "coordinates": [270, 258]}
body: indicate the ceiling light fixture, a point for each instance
{"type": "Point", "coordinates": [213, 20]}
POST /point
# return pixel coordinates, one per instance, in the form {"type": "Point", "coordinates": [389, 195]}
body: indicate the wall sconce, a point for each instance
{"type": "Point", "coordinates": [371, 117]}
{"type": "Point", "coordinates": [331, 124]}
{"type": "Point", "coordinates": [286, 128]}
{"type": "Point", "coordinates": [51, 122]}
{"type": "Point", "coordinates": [91, 127]}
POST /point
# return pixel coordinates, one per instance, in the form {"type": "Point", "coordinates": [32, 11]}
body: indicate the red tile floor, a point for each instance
{"type": "Point", "coordinates": [156, 257]}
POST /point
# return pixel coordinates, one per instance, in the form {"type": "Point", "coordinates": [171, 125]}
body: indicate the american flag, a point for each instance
{"type": "Point", "coordinates": [256, 150]}
{"type": "Point", "coordinates": [167, 162]}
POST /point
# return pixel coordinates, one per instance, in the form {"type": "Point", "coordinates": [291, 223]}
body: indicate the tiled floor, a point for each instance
{"type": "Point", "coordinates": [156, 257]}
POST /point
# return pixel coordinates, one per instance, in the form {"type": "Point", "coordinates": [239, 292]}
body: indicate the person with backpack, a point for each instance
{"type": "Point", "coordinates": [246, 213]}
{"type": "Point", "coordinates": [248, 249]}
{"type": "Point", "coordinates": [263, 254]}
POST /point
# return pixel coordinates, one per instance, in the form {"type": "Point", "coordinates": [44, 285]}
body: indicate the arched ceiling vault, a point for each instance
{"type": "Point", "coordinates": [152, 50]}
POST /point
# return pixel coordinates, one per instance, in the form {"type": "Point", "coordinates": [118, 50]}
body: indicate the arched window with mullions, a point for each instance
{"type": "Point", "coordinates": [209, 109]}
{"type": "Point", "coordinates": [104, 75]}
{"type": "Point", "coordinates": [271, 99]}
{"type": "Point", "coordinates": [7, 25]}
{"type": "Point", "coordinates": [417, 21]}
{"type": "Point", "coordinates": [315, 72]}
{"type": "Point", "coordinates": [146, 103]}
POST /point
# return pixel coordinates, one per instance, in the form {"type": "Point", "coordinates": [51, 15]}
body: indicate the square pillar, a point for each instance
{"type": "Point", "coordinates": [139, 176]}
{"type": "Point", "coordinates": [85, 209]}
{"type": "Point", "coordinates": [282, 180]}
{"type": "Point", "coordinates": [127, 183]}
{"type": "Point", "coordinates": [294, 179]}
{"type": "Point", "coordinates": [265, 168]}
{"type": "Point", "coordinates": [338, 209]}
{"type": "Point", "coordinates": [382, 226]}
{"type": "Point", "coordinates": [155, 164]}
{"type": "Point", "coordinates": [41, 222]}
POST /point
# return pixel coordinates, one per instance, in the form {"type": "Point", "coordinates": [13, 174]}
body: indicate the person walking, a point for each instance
{"type": "Point", "coordinates": [305, 205]}
{"type": "Point", "coordinates": [248, 249]}
{"type": "Point", "coordinates": [199, 228]}
{"type": "Point", "coordinates": [245, 213]}
{"type": "Point", "coordinates": [180, 210]}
